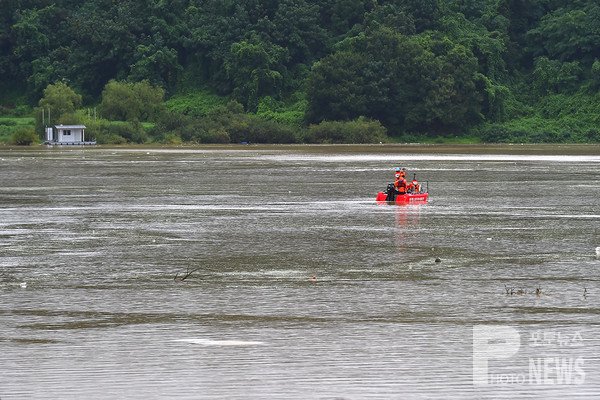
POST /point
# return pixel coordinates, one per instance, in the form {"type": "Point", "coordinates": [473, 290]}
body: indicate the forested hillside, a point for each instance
{"type": "Point", "coordinates": [311, 70]}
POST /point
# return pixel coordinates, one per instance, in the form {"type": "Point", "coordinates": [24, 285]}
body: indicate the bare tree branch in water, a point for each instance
{"type": "Point", "coordinates": [187, 274]}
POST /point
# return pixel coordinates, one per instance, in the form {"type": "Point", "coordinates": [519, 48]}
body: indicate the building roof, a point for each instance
{"type": "Point", "coordinates": [70, 126]}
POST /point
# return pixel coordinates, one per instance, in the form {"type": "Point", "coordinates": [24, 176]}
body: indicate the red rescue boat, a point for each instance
{"type": "Point", "coordinates": [415, 194]}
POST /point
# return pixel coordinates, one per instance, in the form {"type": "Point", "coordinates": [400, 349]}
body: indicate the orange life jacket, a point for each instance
{"type": "Point", "coordinates": [400, 185]}
{"type": "Point", "coordinates": [414, 185]}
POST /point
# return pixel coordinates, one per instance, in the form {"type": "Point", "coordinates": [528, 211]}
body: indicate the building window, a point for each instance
{"type": "Point", "coordinates": [67, 132]}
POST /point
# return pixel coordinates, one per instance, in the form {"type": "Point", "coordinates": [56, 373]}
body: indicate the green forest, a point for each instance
{"type": "Point", "coordinates": [302, 71]}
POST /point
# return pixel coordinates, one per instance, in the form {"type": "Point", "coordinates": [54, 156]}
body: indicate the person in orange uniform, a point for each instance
{"type": "Point", "coordinates": [397, 173]}
{"type": "Point", "coordinates": [400, 185]}
{"type": "Point", "coordinates": [413, 187]}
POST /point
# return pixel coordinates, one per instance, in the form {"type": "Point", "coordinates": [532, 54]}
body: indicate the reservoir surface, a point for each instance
{"type": "Point", "coordinates": [272, 272]}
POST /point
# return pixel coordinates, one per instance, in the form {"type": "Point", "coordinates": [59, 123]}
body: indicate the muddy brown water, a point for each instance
{"type": "Point", "coordinates": [94, 243]}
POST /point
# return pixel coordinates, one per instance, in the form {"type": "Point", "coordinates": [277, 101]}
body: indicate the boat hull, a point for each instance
{"type": "Point", "coordinates": [405, 198]}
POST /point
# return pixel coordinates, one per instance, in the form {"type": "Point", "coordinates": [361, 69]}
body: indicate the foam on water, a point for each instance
{"type": "Point", "coordinates": [211, 342]}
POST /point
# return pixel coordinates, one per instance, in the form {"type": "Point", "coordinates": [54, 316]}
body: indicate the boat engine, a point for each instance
{"type": "Point", "coordinates": [391, 192]}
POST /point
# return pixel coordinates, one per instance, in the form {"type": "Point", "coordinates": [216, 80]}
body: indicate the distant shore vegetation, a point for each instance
{"type": "Point", "coordinates": [302, 71]}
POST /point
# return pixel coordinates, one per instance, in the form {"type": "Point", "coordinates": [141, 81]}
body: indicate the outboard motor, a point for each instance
{"type": "Point", "coordinates": [391, 192]}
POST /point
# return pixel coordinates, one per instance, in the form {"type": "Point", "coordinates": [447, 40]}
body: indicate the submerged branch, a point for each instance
{"type": "Point", "coordinates": [186, 275]}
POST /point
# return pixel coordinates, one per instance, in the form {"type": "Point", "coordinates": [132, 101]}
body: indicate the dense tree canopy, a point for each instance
{"type": "Point", "coordinates": [425, 67]}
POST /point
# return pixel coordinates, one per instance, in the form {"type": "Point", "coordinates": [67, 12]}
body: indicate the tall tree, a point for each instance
{"type": "Point", "coordinates": [138, 101]}
{"type": "Point", "coordinates": [60, 99]}
{"type": "Point", "coordinates": [336, 88]}
{"type": "Point", "coordinates": [255, 68]}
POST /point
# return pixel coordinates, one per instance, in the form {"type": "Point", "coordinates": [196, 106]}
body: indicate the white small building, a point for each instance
{"type": "Point", "coordinates": [67, 135]}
